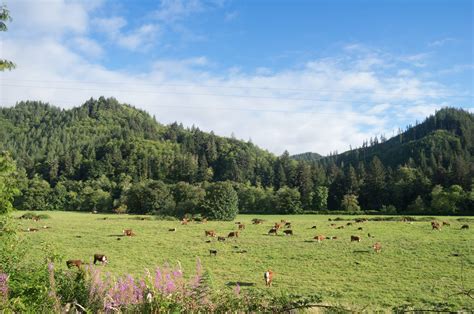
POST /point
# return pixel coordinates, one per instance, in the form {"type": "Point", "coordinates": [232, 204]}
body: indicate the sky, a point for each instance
{"type": "Point", "coordinates": [319, 76]}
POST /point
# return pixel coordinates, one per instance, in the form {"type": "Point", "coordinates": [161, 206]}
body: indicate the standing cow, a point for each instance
{"type": "Point", "coordinates": [268, 276]}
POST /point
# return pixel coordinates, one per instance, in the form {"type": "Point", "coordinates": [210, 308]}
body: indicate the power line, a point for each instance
{"type": "Point", "coordinates": [279, 98]}
{"type": "Point", "coordinates": [246, 87]}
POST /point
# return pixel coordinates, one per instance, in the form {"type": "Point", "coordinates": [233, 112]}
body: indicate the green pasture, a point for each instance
{"type": "Point", "coordinates": [418, 266]}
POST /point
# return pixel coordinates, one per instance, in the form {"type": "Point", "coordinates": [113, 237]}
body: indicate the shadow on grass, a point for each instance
{"type": "Point", "coordinates": [116, 235]}
{"type": "Point", "coordinates": [240, 283]}
{"type": "Point", "coordinates": [361, 251]}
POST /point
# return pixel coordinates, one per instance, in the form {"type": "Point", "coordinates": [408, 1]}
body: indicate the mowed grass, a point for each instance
{"type": "Point", "coordinates": [417, 266]}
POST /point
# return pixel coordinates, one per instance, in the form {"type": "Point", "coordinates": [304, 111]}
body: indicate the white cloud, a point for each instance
{"type": "Point", "coordinates": [441, 42]}
{"type": "Point", "coordinates": [173, 10]}
{"type": "Point", "coordinates": [88, 46]}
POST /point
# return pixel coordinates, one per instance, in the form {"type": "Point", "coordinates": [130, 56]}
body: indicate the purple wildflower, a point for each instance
{"type": "Point", "coordinates": [3, 287]}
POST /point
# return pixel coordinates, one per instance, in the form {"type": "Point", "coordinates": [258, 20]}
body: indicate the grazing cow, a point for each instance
{"type": "Point", "coordinates": [288, 232]}
{"type": "Point", "coordinates": [355, 238]}
{"type": "Point", "coordinates": [268, 276]}
{"type": "Point", "coordinates": [241, 226]}
{"type": "Point", "coordinates": [465, 227]}
{"type": "Point", "coordinates": [333, 225]}
{"type": "Point", "coordinates": [172, 229]}
{"type": "Point", "coordinates": [313, 227]}
{"type": "Point", "coordinates": [435, 225]}
{"type": "Point", "coordinates": [184, 221]}
{"type": "Point", "coordinates": [360, 228]}
{"type": "Point", "coordinates": [221, 239]}
{"type": "Point", "coordinates": [278, 225]}
{"type": "Point", "coordinates": [213, 252]}
{"type": "Point", "coordinates": [210, 233]}
{"type": "Point", "coordinates": [445, 223]}
{"type": "Point", "coordinates": [128, 232]}
{"type": "Point", "coordinates": [100, 258]}
{"type": "Point", "coordinates": [257, 221]}
{"type": "Point", "coordinates": [233, 234]}
{"type": "Point", "coordinates": [273, 231]}
{"type": "Point", "coordinates": [320, 238]}
{"type": "Point", "coordinates": [360, 219]}
{"type": "Point", "coordinates": [287, 224]}
{"type": "Point", "coordinates": [332, 238]}
{"type": "Point", "coordinates": [46, 227]}
{"type": "Point", "coordinates": [377, 247]}
{"type": "Point", "coordinates": [237, 222]}
{"type": "Point", "coordinates": [340, 227]}
{"type": "Point", "coordinates": [349, 224]}
{"type": "Point", "coordinates": [74, 262]}
{"type": "Point", "coordinates": [32, 229]}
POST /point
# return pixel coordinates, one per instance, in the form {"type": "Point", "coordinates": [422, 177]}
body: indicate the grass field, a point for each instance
{"type": "Point", "coordinates": [417, 266]}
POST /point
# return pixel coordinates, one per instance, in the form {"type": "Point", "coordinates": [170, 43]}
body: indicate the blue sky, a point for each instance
{"type": "Point", "coordinates": [298, 75]}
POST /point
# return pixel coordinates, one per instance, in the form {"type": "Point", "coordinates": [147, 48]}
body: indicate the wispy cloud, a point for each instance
{"type": "Point", "coordinates": [441, 42]}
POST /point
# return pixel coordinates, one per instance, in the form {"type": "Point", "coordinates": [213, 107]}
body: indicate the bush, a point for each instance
{"type": "Point", "coordinates": [220, 202]}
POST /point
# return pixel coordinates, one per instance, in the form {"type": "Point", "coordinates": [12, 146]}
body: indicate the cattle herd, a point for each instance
{"type": "Point", "coordinates": [285, 227]}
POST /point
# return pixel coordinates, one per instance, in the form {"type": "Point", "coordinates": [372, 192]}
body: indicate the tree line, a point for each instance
{"type": "Point", "coordinates": [108, 156]}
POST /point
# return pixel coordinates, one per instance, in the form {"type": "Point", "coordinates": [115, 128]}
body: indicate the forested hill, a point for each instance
{"type": "Point", "coordinates": [103, 137]}
{"type": "Point", "coordinates": [307, 156]}
{"type": "Point", "coordinates": [108, 156]}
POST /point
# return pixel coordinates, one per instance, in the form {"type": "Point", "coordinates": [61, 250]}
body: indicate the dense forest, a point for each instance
{"type": "Point", "coordinates": [108, 156]}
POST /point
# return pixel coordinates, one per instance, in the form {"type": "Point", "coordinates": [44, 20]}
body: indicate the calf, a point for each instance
{"type": "Point", "coordinates": [273, 231]}
{"type": "Point", "coordinates": [288, 232]}
{"type": "Point", "coordinates": [435, 225]}
{"type": "Point", "coordinates": [465, 227]}
{"type": "Point", "coordinates": [233, 234]}
{"type": "Point", "coordinates": [100, 258]}
{"type": "Point", "coordinates": [213, 252]}
{"type": "Point", "coordinates": [355, 238]}
{"type": "Point", "coordinates": [210, 233]}
{"type": "Point", "coordinates": [74, 262]}
{"type": "Point", "coordinates": [268, 276]}
{"type": "Point", "coordinates": [241, 226]}
{"type": "Point", "coordinates": [320, 238]}
{"type": "Point", "coordinates": [377, 247]}
{"type": "Point", "coordinates": [128, 232]}
{"type": "Point", "coordinates": [221, 239]}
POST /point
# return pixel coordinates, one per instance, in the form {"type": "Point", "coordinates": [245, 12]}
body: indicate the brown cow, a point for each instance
{"type": "Point", "coordinates": [278, 225]}
{"type": "Point", "coordinates": [287, 224]}
{"type": "Point", "coordinates": [128, 232]}
{"type": "Point", "coordinates": [257, 221]}
{"type": "Point", "coordinates": [355, 238]}
{"type": "Point", "coordinates": [360, 228]}
{"type": "Point", "coordinates": [349, 224]}
{"type": "Point", "coordinates": [222, 239]}
{"type": "Point", "coordinates": [184, 221]}
{"type": "Point", "coordinates": [340, 227]}
{"type": "Point", "coordinates": [273, 231]}
{"type": "Point", "coordinates": [288, 232]}
{"type": "Point", "coordinates": [320, 238]}
{"type": "Point", "coordinates": [435, 225]}
{"type": "Point", "coordinates": [210, 233]}
{"type": "Point", "coordinates": [445, 223]}
{"type": "Point", "coordinates": [100, 258]}
{"type": "Point", "coordinates": [268, 276]}
{"type": "Point", "coordinates": [332, 225]}
{"type": "Point", "coordinates": [233, 234]}
{"type": "Point", "coordinates": [74, 262]}
{"type": "Point", "coordinates": [213, 252]}
{"type": "Point", "coordinates": [241, 226]}
{"type": "Point", "coordinates": [465, 227]}
{"type": "Point", "coordinates": [377, 247]}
